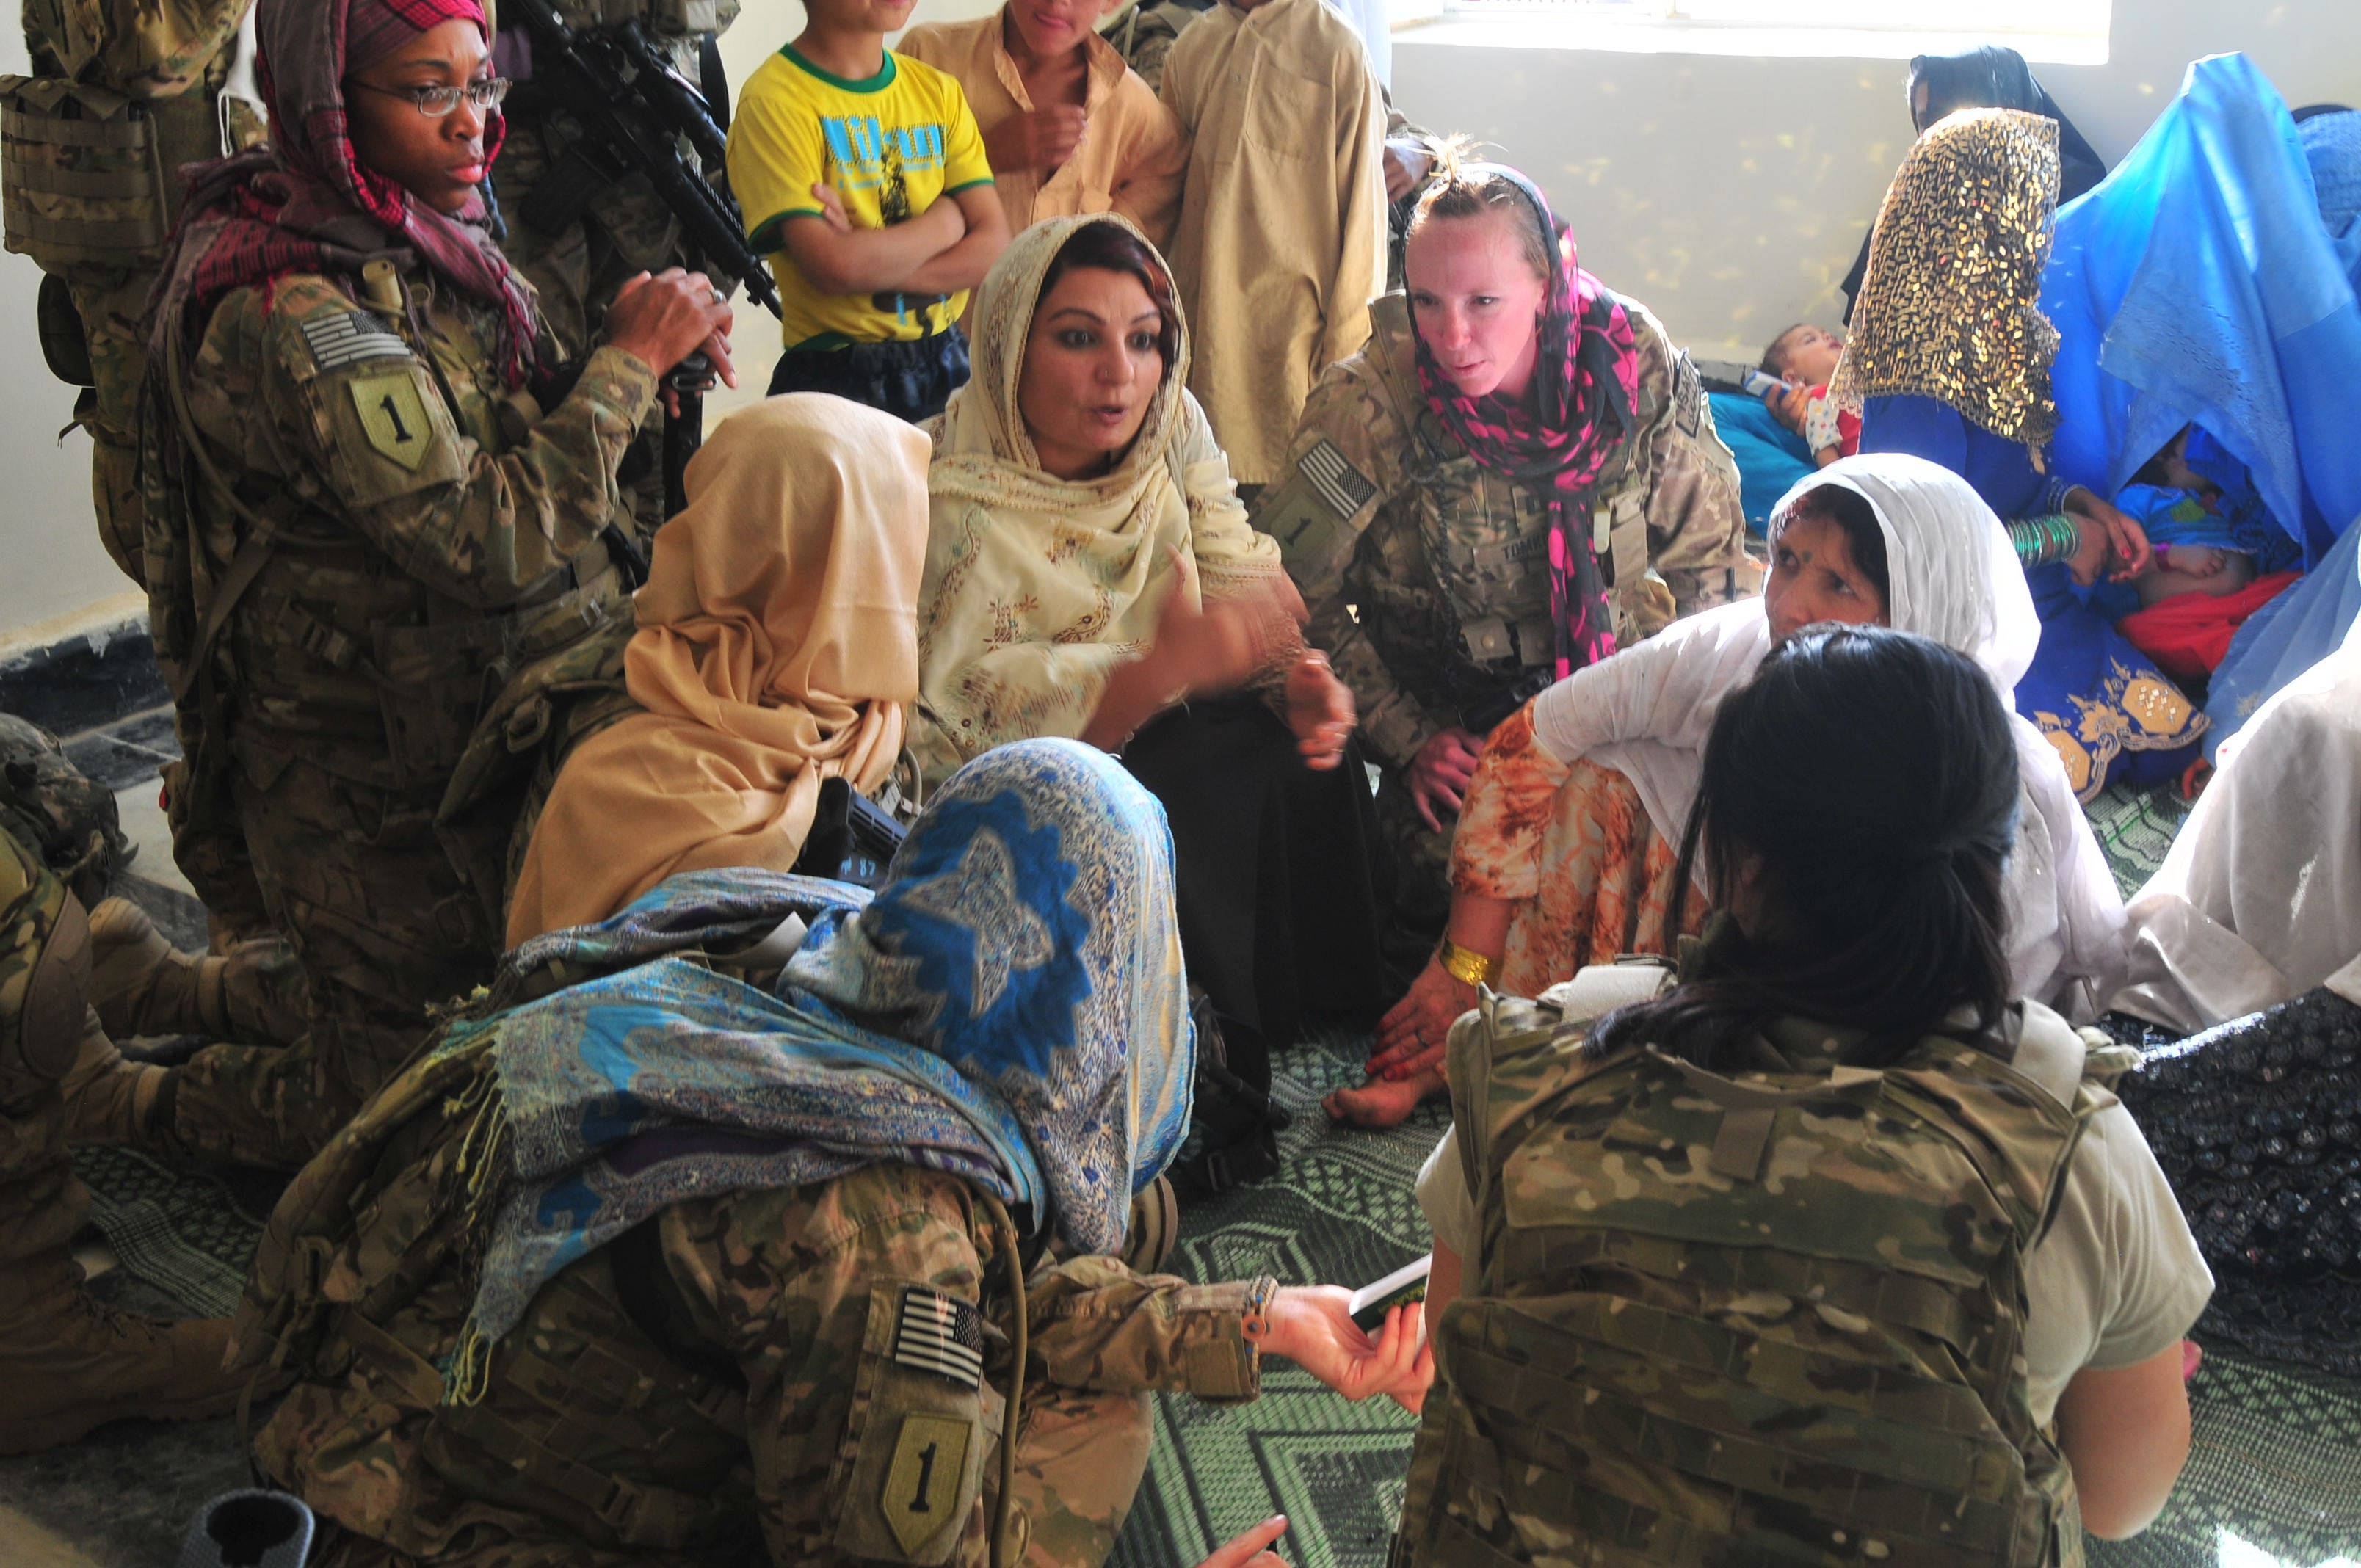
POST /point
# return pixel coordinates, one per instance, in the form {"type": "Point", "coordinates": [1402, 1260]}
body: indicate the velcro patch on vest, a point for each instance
{"type": "Point", "coordinates": [941, 1334]}
{"type": "Point", "coordinates": [1345, 488]}
{"type": "Point", "coordinates": [351, 337]}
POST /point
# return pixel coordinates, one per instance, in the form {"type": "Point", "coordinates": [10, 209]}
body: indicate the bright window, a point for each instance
{"type": "Point", "coordinates": [2046, 30]}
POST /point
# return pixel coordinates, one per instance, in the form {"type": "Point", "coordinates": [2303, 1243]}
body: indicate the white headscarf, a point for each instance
{"type": "Point", "coordinates": [1951, 576]}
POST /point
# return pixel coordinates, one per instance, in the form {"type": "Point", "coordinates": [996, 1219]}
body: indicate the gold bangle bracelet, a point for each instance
{"type": "Point", "coordinates": [1466, 966]}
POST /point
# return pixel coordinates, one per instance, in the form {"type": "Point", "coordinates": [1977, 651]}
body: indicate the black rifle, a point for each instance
{"type": "Point", "coordinates": [853, 837]}
{"type": "Point", "coordinates": [635, 110]}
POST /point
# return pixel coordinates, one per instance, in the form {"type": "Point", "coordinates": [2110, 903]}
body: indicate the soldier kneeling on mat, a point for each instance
{"type": "Point", "coordinates": [767, 1219]}
{"type": "Point", "coordinates": [69, 1363]}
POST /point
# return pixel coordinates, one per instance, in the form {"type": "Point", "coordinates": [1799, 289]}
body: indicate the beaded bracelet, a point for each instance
{"type": "Point", "coordinates": [2040, 540]}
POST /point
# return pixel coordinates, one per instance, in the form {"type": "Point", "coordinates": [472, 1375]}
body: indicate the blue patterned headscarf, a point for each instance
{"type": "Point", "coordinates": [1009, 1008]}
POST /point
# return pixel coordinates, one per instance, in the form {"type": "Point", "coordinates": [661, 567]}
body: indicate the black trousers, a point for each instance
{"type": "Point", "coordinates": [911, 379]}
{"type": "Point", "coordinates": [1277, 873]}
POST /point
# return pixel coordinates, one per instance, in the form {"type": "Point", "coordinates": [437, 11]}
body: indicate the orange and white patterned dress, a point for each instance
{"type": "Point", "coordinates": [1571, 845]}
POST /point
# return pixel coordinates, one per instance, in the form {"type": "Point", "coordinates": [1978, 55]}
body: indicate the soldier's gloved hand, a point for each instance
{"type": "Point", "coordinates": [1312, 1326]}
{"type": "Point", "coordinates": [662, 319]}
{"type": "Point", "coordinates": [1250, 1548]}
{"type": "Point", "coordinates": [1437, 777]}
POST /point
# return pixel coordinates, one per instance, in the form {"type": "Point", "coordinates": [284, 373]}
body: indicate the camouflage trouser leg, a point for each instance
{"type": "Point", "coordinates": [1079, 1465]}
{"type": "Point", "coordinates": [383, 926]}
{"type": "Point", "coordinates": [110, 304]}
{"type": "Point", "coordinates": [42, 1204]}
{"type": "Point", "coordinates": [1422, 877]}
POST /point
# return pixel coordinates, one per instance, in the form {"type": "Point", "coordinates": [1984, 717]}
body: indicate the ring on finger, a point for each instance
{"type": "Point", "coordinates": [718, 296]}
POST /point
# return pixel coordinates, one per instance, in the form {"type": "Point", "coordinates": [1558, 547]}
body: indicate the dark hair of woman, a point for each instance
{"type": "Point", "coordinates": [1114, 249]}
{"type": "Point", "coordinates": [1850, 511]}
{"type": "Point", "coordinates": [1859, 799]}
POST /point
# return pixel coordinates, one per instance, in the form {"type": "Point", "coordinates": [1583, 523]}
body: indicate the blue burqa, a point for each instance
{"type": "Point", "coordinates": [2198, 285]}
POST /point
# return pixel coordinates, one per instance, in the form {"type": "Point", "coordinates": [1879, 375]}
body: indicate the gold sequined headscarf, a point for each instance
{"type": "Point", "coordinates": [1949, 309]}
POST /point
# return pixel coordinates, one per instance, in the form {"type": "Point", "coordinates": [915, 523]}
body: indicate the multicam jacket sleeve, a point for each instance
{"type": "Point", "coordinates": [807, 1289]}
{"type": "Point", "coordinates": [1687, 482]}
{"type": "Point", "coordinates": [358, 426]}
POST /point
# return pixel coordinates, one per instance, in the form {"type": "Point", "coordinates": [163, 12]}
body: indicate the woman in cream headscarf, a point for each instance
{"type": "Point", "coordinates": [1090, 568]}
{"type": "Point", "coordinates": [1564, 854]}
{"type": "Point", "coordinates": [777, 648]}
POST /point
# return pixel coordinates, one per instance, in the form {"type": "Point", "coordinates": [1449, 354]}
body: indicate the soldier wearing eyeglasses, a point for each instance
{"type": "Point", "coordinates": [381, 541]}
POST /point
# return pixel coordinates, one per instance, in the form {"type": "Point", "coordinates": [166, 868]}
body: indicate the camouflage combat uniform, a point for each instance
{"type": "Point", "coordinates": [169, 59]}
{"type": "Point", "coordinates": [1776, 1315]}
{"type": "Point", "coordinates": [68, 1363]}
{"type": "Point", "coordinates": [375, 593]}
{"type": "Point", "coordinates": [1425, 574]}
{"type": "Point", "coordinates": [763, 1394]}
{"type": "Point", "coordinates": [622, 230]}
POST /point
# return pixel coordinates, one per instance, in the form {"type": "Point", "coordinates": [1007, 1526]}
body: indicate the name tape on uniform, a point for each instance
{"type": "Point", "coordinates": [351, 337]}
{"type": "Point", "coordinates": [941, 1334]}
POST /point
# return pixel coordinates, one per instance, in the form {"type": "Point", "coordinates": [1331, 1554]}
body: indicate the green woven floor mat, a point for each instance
{"type": "Point", "coordinates": [1340, 1211]}
{"type": "Point", "coordinates": [2274, 1476]}
{"type": "Point", "coordinates": [2134, 828]}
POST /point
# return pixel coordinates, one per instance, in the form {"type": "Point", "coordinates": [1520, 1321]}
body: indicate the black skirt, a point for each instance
{"type": "Point", "coordinates": [1275, 869]}
{"type": "Point", "coordinates": [2257, 1122]}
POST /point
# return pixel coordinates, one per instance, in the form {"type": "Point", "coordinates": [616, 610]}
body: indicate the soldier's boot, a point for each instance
{"type": "Point", "coordinates": [142, 985]}
{"type": "Point", "coordinates": [110, 1100]}
{"type": "Point", "coordinates": [70, 1363]}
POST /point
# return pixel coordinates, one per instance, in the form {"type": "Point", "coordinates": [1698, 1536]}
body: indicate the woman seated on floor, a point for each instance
{"type": "Point", "coordinates": [776, 648]}
{"type": "Point", "coordinates": [702, 1260]}
{"type": "Point", "coordinates": [1090, 574]}
{"type": "Point", "coordinates": [1950, 360]}
{"type": "Point", "coordinates": [1900, 1225]}
{"type": "Point", "coordinates": [2250, 932]}
{"type": "Point", "coordinates": [1565, 850]}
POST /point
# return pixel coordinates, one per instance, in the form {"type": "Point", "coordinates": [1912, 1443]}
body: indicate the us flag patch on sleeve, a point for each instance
{"type": "Point", "coordinates": [941, 1334]}
{"type": "Point", "coordinates": [351, 337]}
{"type": "Point", "coordinates": [1345, 488]}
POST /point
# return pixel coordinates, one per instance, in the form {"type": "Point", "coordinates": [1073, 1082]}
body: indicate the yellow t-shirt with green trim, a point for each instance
{"type": "Point", "coordinates": [891, 146]}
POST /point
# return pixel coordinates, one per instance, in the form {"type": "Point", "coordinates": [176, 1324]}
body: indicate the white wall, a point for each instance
{"type": "Point", "coordinates": [1729, 193]}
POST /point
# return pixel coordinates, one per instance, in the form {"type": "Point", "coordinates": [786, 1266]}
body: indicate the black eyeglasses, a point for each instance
{"type": "Point", "coordinates": [483, 96]}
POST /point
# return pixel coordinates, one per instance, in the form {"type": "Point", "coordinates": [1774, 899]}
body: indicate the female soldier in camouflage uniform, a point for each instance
{"type": "Point", "coordinates": [671, 1266]}
{"type": "Point", "coordinates": [1830, 1254]}
{"type": "Point", "coordinates": [376, 541]}
{"type": "Point", "coordinates": [1519, 471]}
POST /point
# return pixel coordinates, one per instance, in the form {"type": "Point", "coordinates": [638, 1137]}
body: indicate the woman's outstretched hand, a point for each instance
{"type": "Point", "coordinates": [1319, 709]}
{"type": "Point", "coordinates": [1312, 1326]}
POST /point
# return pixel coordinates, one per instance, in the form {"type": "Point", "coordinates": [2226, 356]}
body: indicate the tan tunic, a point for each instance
{"type": "Point", "coordinates": [1282, 237]}
{"type": "Point", "coordinates": [1133, 150]}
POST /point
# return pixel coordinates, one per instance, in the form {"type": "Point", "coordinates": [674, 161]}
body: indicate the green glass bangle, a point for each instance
{"type": "Point", "coordinates": [2040, 540]}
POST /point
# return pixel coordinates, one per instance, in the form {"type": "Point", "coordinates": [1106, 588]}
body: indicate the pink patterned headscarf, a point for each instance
{"type": "Point", "coordinates": [305, 202]}
{"type": "Point", "coordinates": [1586, 382]}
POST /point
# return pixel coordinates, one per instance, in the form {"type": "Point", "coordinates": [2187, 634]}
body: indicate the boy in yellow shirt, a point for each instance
{"type": "Point", "coordinates": [864, 179]}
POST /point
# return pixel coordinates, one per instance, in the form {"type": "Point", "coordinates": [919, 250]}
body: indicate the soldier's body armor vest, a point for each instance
{"type": "Point", "coordinates": [1485, 541]}
{"type": "Point", "coordinates": [1771, 1317]}
{"type": "Point", "coordinates": [124, 94]}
